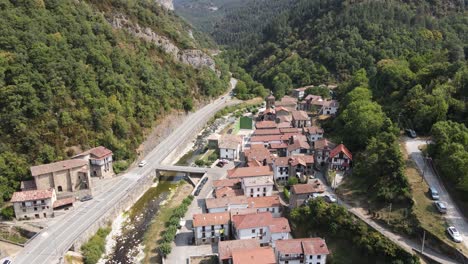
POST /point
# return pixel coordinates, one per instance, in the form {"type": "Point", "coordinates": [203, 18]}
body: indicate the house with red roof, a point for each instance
{"type": "Point", "coordinates": [300, 119]}
{"type": "Point", "coordinates": [300, 193]}
{"type": "Point", "coordinates": [256, 181]}
{"type": "Point", "coordinates": [262, 226]}
{"type": "Point", "coordinates": [211, 227]}
{"type": "Point", "coordinates": [302, 250]}
{"type": "Point", "coordinates": [34, 203]}
{"type": "Point", "coordinates": [225, 248]}
{"type": "Point", "coordinates": [296, 165]}
{"type": "Point", "coordinates": [340, 158]}
{"type": "Point", "coordinates": [258, 255]}
{"type": "Point", "coordinates": [100, 161]}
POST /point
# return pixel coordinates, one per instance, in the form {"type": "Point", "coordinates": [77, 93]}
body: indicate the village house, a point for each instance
{"type": "Point", "coordinates": [261, 226]}
{"type": "Point", "coordinates": [300, 92]}
{"type": "Point", "coordinates": [322, 148]}
{"type": "Point", "coordinates": [298, 165]}
{"type": "Point", "coordinates": [268, 115]}
{"type": "Point", "coordinates": [312, 103]}
{"type": "Point", "coordinates": [301, 250]}
{"type": "Point", "coordinates": [265, 125]}
{"type": "Point", "coordinates": [34, 204]}
{"type": "Point", "coordinates": [225, 248]}
{"type": "Point", "coordinates": [282, 111]}
{"type": "Point", "coordinates": [67, 176]}
{"type": "Point", "coordinates": [298, 145]}
{"type": "Point", "coordinates": [270, 204]}
{"type": "Point", "coordinates": [100, 161]}
{"type": "Point", "coordinates": [266, 132]}
{"type": "Point", "coordinates": [300, 119]}
{"type": "Point", "coordinates": [313, 133]}
{"type": "Point", "coordinates": [255, 181]}
{"type": "Point", "coordinates": [287, 102]}
{"type": "Point", "coordinates": [230, 147]}
{"type": "Point", "coordinates": [330, 107]}
{"type": "Point", "coordinates": [227, 188]}
{"type": "Point", "coordinates": [211, 227]}
{"type": "Point", "coordinates": [340, 158]}
{"type": "Point", "coordinates": [259, 255]}
{"type": "Point", "coordinates": [299, 193]}
{"type": "Point", "coordinates": [256, 155]}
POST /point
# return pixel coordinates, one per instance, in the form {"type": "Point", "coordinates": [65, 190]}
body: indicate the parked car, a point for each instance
{"type": "Point", "coordinates": [411, 133]}
{"type": "Point", "coordinates": [330, 198]}
{"type": "Point", "coordinates": [6, 260]}
{"type": "Point", "coordinates": [204, 181]}
{"type": "Point", "coordinates": [454, 234]}
{"type": "Point", "coordinates": [441, 207]}
{"type": "Point", "coordinates": [434, 193]}
{"type": "Point", "coordinates": [197, 192]}
{"type": "Point", "coordinates": [142, 163]}
{"type": "Point", "coordinates": [224, 161]}
{"type": "Point", "coordinates": [86, 198]}
{"type": "Point", "coordinates": [220, 164]}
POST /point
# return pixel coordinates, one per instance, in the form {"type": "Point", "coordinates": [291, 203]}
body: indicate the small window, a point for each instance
{"type": "Point", "coordinates": [319, 256]}
{"type": "Point", "coordinates": [35, 208]}
{"type": "Point", "coordinates": [43, 201]}
{"type": "Point", "coordinates": [253, 231]}
{"type": "Point", "coordinates": [24, 210]}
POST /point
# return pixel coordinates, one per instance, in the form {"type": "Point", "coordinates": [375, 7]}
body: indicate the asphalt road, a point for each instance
{"type": "Point", "coordinates": [51, 244]}
{"type": "Point", "coordinates": [454, 216]}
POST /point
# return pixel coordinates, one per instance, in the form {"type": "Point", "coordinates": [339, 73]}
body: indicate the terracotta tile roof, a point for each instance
{"type": "Point", "coordinates": [294, 160]}
{"type": "Point", "coordinates": [341, 148]}
{"type": "Point", "coordinates": [263, 219]}
{"type": "Point", "coordinates": [299, 115]}
{"type": "Point", "coordinates": [281, 161]}
{"type": "Point", "coordinates": [209, 219]}
{"type": "Point", "coordinates": [260, 255]}
{"type": "Point", "coordinates": [299, 142]}
{"type": "Point", "coordinates": [306, 246]}
{"type": "Point", "coordinates": [225, 201]}
{"type": "Point", "coordinates": [331, 103]}
{"type": "Point", "coordinates": [263, 132]}
{"type": "Point", "coordinates": [229, 141]}
{"type": "Point", "coordinates": [307, 158]}
{"type": "Point", "coordinates": [313, 130]}
{"type": "Point", "coordinates": [285, 119]}
{"type": "Point", "coordinates": [284, 125]}
{"type": "Point", "coordinates": [266, 139]}
{"type": "Point", "coordinates": [65, 201]}
{"type": "Point", "coordinates": [31, 195]}
{"type": "Point", "coordinates": [315, 187]}
{"type": "Point", "coordinates": [254, 163]}
{"type": "Point", "coordinates": [269, 111]}
{"type": "Point", "coordinates": [313, 97]}
{"type": "Point", "coordinates": [280, 108]}
{"type": "Point", "coordinates": [278, 145]}
{"type": "Point", "coordinates": [294, 130]}
{"type": "Point", "coordinates": [249, 172]}
{"type": "Point", "coordinates": [226, 183]}
{"type": "Point", "coordinates": [225, 248]}
{"type": "Point", "coordinates": [258, 153]}
{"type": "Point", "coordinates": [323, 143]}
{"type": "Point", "coordinates": [258, 181]}
{"type": "Point", "coordinates": [286, 100]}
{"type": "Point", "coordinates": [58, 166]}
{"type": "Point", "coordinates": [264, 201]}
{"type": "Point", "coordinates": [265, 124]}
{"type": "Point", "coordinates": [228, 192]}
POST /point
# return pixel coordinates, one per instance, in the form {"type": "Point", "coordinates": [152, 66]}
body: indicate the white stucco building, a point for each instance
{"type": "Point", "coordinates": [211, 227]}
{"type": "Point", "coordinates": [270, 204]}
{"type": "Point", "coordinates": [302, 250]}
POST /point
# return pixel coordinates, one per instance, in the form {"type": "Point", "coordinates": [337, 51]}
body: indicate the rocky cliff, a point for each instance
{"type": "Point", "coordinates": [166, 4]}
{"type": "Point", "coordinates": [192, 57]}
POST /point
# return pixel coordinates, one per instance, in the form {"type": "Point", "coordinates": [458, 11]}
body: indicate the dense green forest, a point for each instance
{"type": "Point", "coordinates": [334, 223]}
{"type": "Point", "coordinates": [402, 60]}
{"type": "Point", "coordinates": [69, 80]}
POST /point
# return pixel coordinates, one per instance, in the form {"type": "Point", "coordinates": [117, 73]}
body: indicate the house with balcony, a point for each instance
{"type": "Point", "coordinates": [255, 181]}
{"type": "Point", "coordinates": [322, 148]}
{"type": "Point", "coordinates": [270, 204]}
{"type": "Point", "coordinates": [211, 227]}
{"type": "Point", "coordinates": [300, 119]}
{"type": "Point", "coordinates": [313, 133]}
{"type": "Point", "coordinates": [297, 165]}
{"type": "Point", "coordinates": [262, 226]}
{"type": "Point", "coordinates": [340, 158]}
{"type": "Point", "coordinates": [301, 251]}
{"type": "Point", "coordinates": [33, 204]}
{"type": "Point", "coordinates": [100, 161]}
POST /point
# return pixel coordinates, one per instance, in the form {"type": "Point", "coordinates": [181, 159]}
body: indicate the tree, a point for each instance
{"type": "Point", "coordinates": [281, 85]}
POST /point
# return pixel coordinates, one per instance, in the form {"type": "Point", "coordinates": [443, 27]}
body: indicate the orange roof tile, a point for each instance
{"type": "Point", "coordinates": [225, 248]}
{"type": "Point", "coordinates": [31, 195]}
{"type": "Point", "coordinates": [341, 148]}
{"type": "Point", "coordinates": [250, 172]}
{"type": "Point", "coordinates": [226, 183]}
{"type": "Point", "coordinates": [260, 255]}
{"type": "Point", "coordinates": [57, 166]}
{"type": "Point", "coordinates": [265, 124]}
{"type": "Point", "coordinates": [306, 246]}
{"type": "Point", "coordinates": [315, 187]}
{"type": "Point", "coordinates": [211, 219]}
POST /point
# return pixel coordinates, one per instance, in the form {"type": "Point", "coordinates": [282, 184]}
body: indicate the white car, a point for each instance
{"type": "Point", "coordinates": [330, 198]}
{"type": "Point", "coordinates": [454, 234]}
{"type": "Point", "coordinates": [142, 163]}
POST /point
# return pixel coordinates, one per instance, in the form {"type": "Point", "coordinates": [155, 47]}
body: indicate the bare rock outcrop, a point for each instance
{"type": "Point", "coordinates": [168, 4]}
{"type": "Point", "coordinates": [193, 57]}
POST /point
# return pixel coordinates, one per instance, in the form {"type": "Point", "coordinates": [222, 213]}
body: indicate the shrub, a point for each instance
{"type": "Point", "coordinates": [95, 247]}
{"type": "Point", "coordinates": [119, 166]}
{"type": "Point", "coordinates": [286, 193]}
{"type": "Point", "coordinates": [200, 163]}
{"type": "Point", "coordinates": [165, 248]}
{"type": "Point", "coordinates": [213, 156]}
{"type": "Point", "coordinates": [7, 213]}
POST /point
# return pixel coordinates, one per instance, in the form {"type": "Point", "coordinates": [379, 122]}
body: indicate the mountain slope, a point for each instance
{"type": "Point", "coordinates": [69, 80]}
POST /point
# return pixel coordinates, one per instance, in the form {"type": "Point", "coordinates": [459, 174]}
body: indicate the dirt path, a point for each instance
{"type": "Point", "coordinates": [154, 232]}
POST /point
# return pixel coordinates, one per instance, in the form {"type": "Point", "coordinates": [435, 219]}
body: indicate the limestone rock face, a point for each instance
{"type": "Point", "coordinates": [168, 4]}
{"type": "Point", "coordinates": [193, 57]}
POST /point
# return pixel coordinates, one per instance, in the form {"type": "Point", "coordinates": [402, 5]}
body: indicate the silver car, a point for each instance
{"type": "Point", "coordinates": [441, 207]}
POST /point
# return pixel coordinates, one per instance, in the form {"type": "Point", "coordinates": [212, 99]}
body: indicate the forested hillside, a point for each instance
{"type": "Point", "coordinates": [68, 80]}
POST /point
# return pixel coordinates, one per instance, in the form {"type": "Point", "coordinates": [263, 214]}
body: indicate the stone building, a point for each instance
{"type": "Point", "coordinates": [34, 204]}
{"type": "Point", "coordinates": [100, 161]}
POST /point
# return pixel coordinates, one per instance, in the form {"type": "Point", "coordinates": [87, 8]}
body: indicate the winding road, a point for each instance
{"type": "Point", "coordinates": [51, 244]}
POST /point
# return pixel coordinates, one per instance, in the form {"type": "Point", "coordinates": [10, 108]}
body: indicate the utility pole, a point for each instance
{"type": "Point", "coordinates": [424, 239]}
